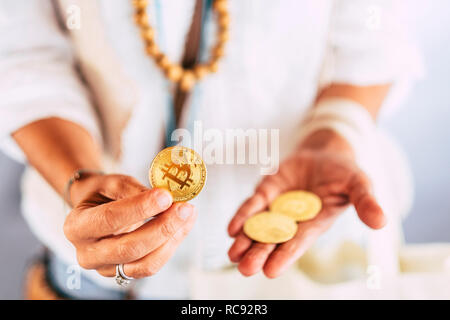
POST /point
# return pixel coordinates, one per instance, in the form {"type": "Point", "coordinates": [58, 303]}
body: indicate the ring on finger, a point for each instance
{"type": "Point", "coordinates": [121, 278]}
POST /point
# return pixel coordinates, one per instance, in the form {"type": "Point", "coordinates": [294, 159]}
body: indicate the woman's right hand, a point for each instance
{"type": "Point", "coordinates": [109, 225]}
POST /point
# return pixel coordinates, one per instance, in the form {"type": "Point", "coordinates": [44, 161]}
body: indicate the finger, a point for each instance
{"type": "Point", "coordinates": [254, 259]}
{"type": "Point", "coordinates": [154, 261]}
{"type": "Point", "coordinates": [285, 254]}
{"type": "Point", "coordinates": [335, 201]}
{"type": "Point", "coordinates": [119, 187]}
{"type": "Point", "coordinates": [252, 205]}
{"type": "Point", "coordinates": [271, 186]}
{"type": "Point", "coordinates": [111, 217]}
{"type": "Point", "coordinates": [126, 187]}
{"type": "Point", "coordinates": [113, 187]}
{"type": "Point", "coordinates": [122, 187]}
{"type": "Point", "coordinates": [107, 270]}
{"type": "Point", "coordinates": [237, 250]}
{"type": "Point", "coordinates": [267, 190]}
{"type": "Point", "coordinates": [135, 245]}
{"type": "Point", "coordinates": [368, 209]}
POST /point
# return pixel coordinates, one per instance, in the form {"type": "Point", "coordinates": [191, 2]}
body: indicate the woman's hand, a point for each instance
{"type": "Point", "coordinates": [108, 225]}
{"type": "Point", "coordinates": [324, 164]}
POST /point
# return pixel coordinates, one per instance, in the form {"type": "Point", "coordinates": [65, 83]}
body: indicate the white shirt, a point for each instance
{"type": "Point", "coordinates": [279, 55]}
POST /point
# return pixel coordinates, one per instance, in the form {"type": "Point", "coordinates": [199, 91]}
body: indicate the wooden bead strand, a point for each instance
{"type": "Point", "coordinates": [186, 78]}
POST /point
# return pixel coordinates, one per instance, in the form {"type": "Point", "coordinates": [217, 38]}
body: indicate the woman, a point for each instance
{"type": "Point", "coordinates": [330, 63]}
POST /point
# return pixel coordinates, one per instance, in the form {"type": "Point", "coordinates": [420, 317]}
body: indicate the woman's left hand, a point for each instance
{"type": "Point", "coordinates": [324, 164]}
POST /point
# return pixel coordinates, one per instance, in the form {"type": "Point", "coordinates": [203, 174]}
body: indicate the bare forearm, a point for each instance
{"type": "Point", "coordinates": [370, 97]}
{"type": "Point", "coordinates": [57, 148]}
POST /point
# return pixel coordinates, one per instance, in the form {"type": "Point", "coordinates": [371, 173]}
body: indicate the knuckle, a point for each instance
{"type": "Point", "coordinates": [141, 271]}
{"type": "Point", "coordinates": [130, 180]}
{"type": "Point", "coordinates": [123, 250]}
{"type": "Point", "coordinates": [258, 199]}
{"type": "Point", "coordinates": [69, 228]}
{"type": "Point", "coordinates": [267, 180]}
{"type": "Point", "coordinates": [140, 209]}
{"type": "Point", "coordinates": [184, 231]}
{"type": "Point", "coordinates": [109, 219]}
{"type": "Point", "coordinates": [152, 267]}
{"type": "Point", "coordinates": [123, 182]}
{"type": "Point", "coordinates": [113, 183]}
{"type": "Point", "coordinates": [83, 261]}
{"type": "Point", "coordinates": [117, 183]}
{"type": "Point", "coordinates": [361, 178]}
{"type": "Point", "coordinates": [182, 234]}
{"type": "Point", "coordinates": [145, 271]}
{"type": "Point", "coordinates": [289, 249]}
{"type": "Point", "coordinates": [263, 191]}
{"type": "Point", "coordinates": [168, 229]}
{"type": "Point", "coordinates": [127, 249]}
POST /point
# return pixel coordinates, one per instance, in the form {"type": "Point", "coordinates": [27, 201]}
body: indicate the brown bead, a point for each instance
{"type": "Point", "coordinates": [174, 72]}
{"type": "Point", "coordinates": [224, 20]}
{"type": "Point", "coordinates": [220, 6]}
{"type": "Point", "coordinates": [218, 51]}
{"type": "Point", "coordinates": [148, 34]}
{"type": "Point", "coordinates": [163, 61]}
{"type": "Point", "coordinates": [200, 71]}
{"type": "Point", "coordinates": [152, 49]}
{"type": "Point", "coordinates": [142, 19]}
{"type": "Point", "coordinates": [223, 35]}
{"type": "Point", "coordinates": [187, 81]}
{"type": "Point", "coordinates": [213, 66]}
{"type": "Point", "coordinates": [140, 4]}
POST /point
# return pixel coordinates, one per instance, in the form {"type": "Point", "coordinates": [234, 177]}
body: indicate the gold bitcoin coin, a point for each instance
{"type": "Point", "coordinates": [298, 205]}
{"type": "Point", "coordinates": [270, 227]}
{"type": "Point", "coordinates": [179, 170]}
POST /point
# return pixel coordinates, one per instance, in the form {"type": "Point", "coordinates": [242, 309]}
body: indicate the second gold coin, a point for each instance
{"type": "Point", "coordinates": [298, 205]}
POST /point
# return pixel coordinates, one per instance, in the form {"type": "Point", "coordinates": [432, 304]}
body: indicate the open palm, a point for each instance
{"type": "Point", "coordinates": [334, 177]}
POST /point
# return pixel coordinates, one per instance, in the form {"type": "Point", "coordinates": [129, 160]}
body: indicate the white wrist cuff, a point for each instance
{"type": "Point", "coordinates": [347, 118]}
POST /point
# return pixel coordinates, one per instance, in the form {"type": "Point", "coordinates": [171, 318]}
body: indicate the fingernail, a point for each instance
{"type": "Point", "coordinates": [163, 199]}
{"type": "Point", "coordinates": [184, 211]}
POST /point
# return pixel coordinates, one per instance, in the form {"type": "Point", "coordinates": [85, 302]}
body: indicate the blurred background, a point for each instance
{"type": "Point", "coordinates": [420, 126]}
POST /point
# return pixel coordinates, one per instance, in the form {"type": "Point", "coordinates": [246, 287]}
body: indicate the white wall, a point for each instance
{"type": "Point", "coordinates": [423, 124]}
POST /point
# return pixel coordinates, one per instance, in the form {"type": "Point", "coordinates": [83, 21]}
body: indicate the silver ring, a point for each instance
{"type": "Point", "coordinates": [121, 278]}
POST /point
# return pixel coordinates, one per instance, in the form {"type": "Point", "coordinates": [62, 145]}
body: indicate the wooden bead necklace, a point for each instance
{"type": "Point", "coordinates": [186, 78]}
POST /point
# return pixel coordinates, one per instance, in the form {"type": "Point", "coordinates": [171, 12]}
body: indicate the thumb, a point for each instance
{"type": "Point", "coordinates": [367, 207]}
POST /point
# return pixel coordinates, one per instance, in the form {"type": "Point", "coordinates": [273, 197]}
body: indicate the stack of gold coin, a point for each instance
{"type": "Point", "coordinates": [279, 224]}
{"type": "Point", "coordinates": [179, 170]}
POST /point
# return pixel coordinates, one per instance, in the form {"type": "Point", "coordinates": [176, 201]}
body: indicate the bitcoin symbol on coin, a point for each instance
{"type": "Point", "coordinates": [180, 170]}
{"type": "Point", "coordinates": [177, 176]}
